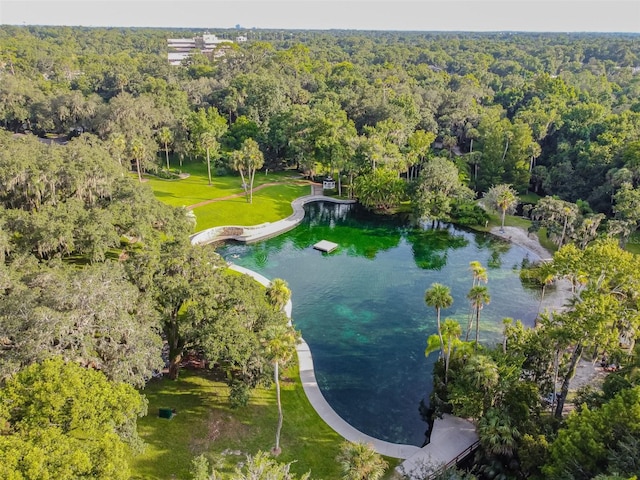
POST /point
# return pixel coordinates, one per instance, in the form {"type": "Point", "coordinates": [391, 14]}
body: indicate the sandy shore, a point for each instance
{"type": "Point", "coordinates": [520, 237]}
{"type": "Point", "coordinates": [587, 372]}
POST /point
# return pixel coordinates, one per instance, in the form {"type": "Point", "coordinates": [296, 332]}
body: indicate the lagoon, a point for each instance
{"type": "Point", "coordinates": [361, 307]}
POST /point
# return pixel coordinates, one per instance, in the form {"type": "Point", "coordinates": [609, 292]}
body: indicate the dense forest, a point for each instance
{"type": "Point", "coordinates": [96, 271]}
{"type": "Point", "coordinates": [556, 113]}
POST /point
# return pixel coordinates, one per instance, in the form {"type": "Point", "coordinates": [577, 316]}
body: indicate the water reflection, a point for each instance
{"type": "Point", "coordinates": [361, 309]}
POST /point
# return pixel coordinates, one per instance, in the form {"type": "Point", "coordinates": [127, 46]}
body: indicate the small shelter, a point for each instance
{"type": "Point", "coordinates": [328, 184]}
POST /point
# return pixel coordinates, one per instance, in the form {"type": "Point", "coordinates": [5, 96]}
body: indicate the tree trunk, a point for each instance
{"type": "Point", "coordinates": [276, 375]}
{"type": "Point", "coordinates": [244, 185]}
{"type": "Point", "coordinates": [440, 334]}
{"type": "Point", "coordinates": [504, 155]}
{"type": "Point", "coordinates": [544, 287]}
{"type": "Point", "coordinates": [174, 366]}
{"type": "Point", "coordinates": [166, 154]}
{"type": "Point", "coordinates": [208, 167]}
{"type": "Point", "coordinates": [556, 367]}
{"type": "Point", "coordinates": [446, 361]}
{"type": "Point", "coordinates": [477, 327]}
{"type": "Point", "coordinates": [575, 357]}
{"type": "Point", "coordinates": [564, 231]}
{"type": "Point", "coordinates": [469, 324]}
{"type": "Point", "coordinates": [253, 174]}
{"type": "Point", "coordinates": [138, 170]}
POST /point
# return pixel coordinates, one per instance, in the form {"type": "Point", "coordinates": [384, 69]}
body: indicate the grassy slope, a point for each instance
{"type": "Point", "coordinates": [269, 205]}
{"type": "Point", "coordinates": [196, 188]}
{"type": "Point", "coordinates": [206, 424]}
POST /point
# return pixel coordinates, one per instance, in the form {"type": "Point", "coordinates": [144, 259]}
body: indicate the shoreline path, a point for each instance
{"type": "Point", "coordinates": [451, 436]}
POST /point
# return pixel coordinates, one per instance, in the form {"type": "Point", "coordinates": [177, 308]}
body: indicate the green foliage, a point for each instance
{"type": "Point", "coordinates": [592, 437]}
{"type": "Point", "coordinates": [501, 198]}
{"type": "Point", "coordinates": [380, 190]}
{"type": "Point", "coordinates": [239, 394]}
{"type": "Point", "coordinates": [92, 315]}
{"type": "Point", "coordinates": [437, 188]}
{"type": "Point", "coordinates": [359, 461]}
{"type": "Point", "coordinates": [262, 467]}
{"type": "Point", "coordinates": [468, 214]}
{"type": "Point", "coordinates": [60, 420]}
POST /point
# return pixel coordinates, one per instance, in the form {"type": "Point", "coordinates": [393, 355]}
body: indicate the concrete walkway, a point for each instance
{"type": "Point", "coordinates": [263, 231]}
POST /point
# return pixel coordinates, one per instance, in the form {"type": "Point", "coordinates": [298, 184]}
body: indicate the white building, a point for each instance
{"type": "Point", "coordinates": [182, 48]}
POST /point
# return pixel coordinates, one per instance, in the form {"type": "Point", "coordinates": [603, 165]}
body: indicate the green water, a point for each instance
{"type": "Point", "coordinates": [361, 308]}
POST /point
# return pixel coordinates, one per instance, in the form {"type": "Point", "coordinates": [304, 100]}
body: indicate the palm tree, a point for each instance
{"type": "Point", "coordinates": [280, 345]}
{"type": "Point", "coordinates": [547, 276]}
{"type": "Point", "coordinates": [139, 151]}
{"type": "Point", "coordinates": [502, 198]}
{"type": "Point", "coordinates": [210, 144]}
{"type": "Point", "coordinates": [166, 137]}
{"type": "Point", "coordinates": [479, 274]}
{"type": "Point", "coordinates": [439, 296]}
{"type": "Point", "coordinates": [507, 322]}
{"type": "Point", "coordinates": [247, 160]}
{"type": "Point", "coordinates": [451, 331]}
{"type": "Point", "coordinates": [497, 435]}
{"type": "Point", "coordinates": [506, 200]}
{"type": "Point", "coordinates": [479, 297]}
{"type": "Point", "coordinates": [278, 293]}
{"type": "Point", "coordinates": [118, 145]}
{"type": "Point", "coordinates": [359, 461]}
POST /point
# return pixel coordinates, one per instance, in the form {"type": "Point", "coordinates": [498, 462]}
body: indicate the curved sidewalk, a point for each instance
{"type": "Point", "coordinates": [266, 230]}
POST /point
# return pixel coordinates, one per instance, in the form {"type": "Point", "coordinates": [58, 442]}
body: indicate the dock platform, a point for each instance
{"type": "Point", "coordinates": [325, 246]}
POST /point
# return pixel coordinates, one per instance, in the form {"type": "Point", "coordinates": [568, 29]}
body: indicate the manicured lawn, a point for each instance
{"type": "Point", "coordinates": [206, 424]}
{"type": "Point", "coordinates": [269, 205]}
{"type": "Point", "coordinates": [196, 188]}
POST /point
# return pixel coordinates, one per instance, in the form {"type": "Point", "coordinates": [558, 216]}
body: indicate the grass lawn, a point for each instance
{"type": "Point", "coordinates": [633, 244]}
{"type": "Point", "coordinates": [206, 424]}
{"type": "Point", "coordinates": [269, 205]}
{"type": "Point", "coordinates": [196, 188]}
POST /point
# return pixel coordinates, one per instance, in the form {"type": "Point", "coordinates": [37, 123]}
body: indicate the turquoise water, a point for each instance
{"type": "Point", "coordinates": [361, 308]}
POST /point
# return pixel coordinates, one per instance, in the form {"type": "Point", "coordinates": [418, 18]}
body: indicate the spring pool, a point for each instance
{"type": "Point", "coordinates": [361, 307]}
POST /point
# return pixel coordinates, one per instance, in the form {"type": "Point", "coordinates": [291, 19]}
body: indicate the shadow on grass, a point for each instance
{"type": "Point", "coordinates": [205, 423]}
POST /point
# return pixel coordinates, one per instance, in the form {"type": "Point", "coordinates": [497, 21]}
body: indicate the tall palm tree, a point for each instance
{"type": "Point", "coordinates": [547, 276]}
{"type": "Point", "coordinates": [359, 461]}
{"type": "Point", "coordinates": [118, 145]}
{"type": "Point", "coordinates": [451, 331]}
{"type": "Point", "coordinates": [278, 293]}
{"type": "Point", "coordinates": [479, 297]}
{"type": "Point", "coordinates": [439, 297]}
{"type": "Point", "coordinates": [501, 198]}
{"type": "Point", "coordinates": [166, 137]}
{"type": "Point", "coordinates": [139, 152]}
{"type": "Point", "coordinates": [210, 143]}
{"type": "Point", "coordinates": [506, 199]}
{"type": "Point", "coordinates": [479, 274]}
{"type": "Point", "coordinates": [247, 160]}
{"type": "Point", "coordinates": [280, 346]}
